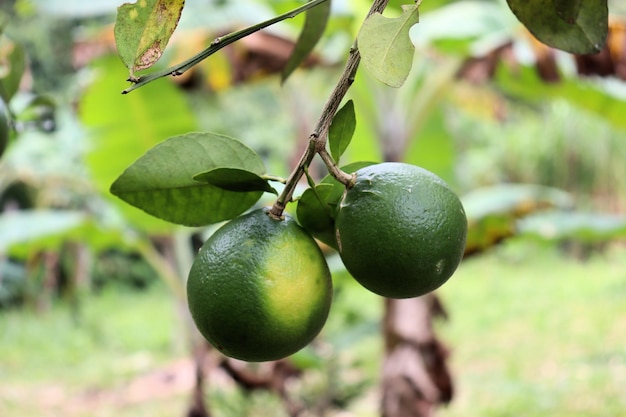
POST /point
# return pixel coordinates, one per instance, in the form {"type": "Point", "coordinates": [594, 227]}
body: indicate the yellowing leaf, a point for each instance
{"type": "Point", "coordinates": [386, 47]}
{"type": "Point", "coordinates": [143, 29]}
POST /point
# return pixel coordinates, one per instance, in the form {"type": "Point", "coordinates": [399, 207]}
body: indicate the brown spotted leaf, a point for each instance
{"type": "Point", "coordinates": [143, 29]}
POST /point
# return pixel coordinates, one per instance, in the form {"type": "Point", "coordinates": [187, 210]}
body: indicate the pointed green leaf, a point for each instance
{"type": "Point", "coordinates": [314, 26]}
{"type": "Point", "coordinates": [235, 179]}
{"type": "Point", "coordinates": [577, 26]}
{"type": "Point", "coordinates": [386, 47]}
{"type": "Point", "coordinates": [161, 181]}
{"type": "Point", "coordinates": [314, 214]}
{"type": "Point", "coordinates": [342, 130]}
{"type": "Point", "coordinates": [12, 67]}
{"type": "Point", "coordinates": [143, 29]}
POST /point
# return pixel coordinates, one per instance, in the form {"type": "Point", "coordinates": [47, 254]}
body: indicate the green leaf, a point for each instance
{"type": "Point", "coordinates": [314, 26]}
{"type": "Point", "coordinates": [314, 214]}
{"type": "Point", "coordinates": [386, 47]}
{"type": "Point", "coordinates": [235, 179]}
{"type": "Point", "coordinates": [578, 26]}
{"type": "Point", "coordinates": [342, 130]}
{"type": "Point", "coordinates": [143, 29]}
{"type": "Point", "coordinates": [568, 10]}
{"type": "Point", "coordinates": [12, 67]}
{"type": "Point", "coordinates": [161, 181]}
{"type": "Point", "coordinates": [317, 206]}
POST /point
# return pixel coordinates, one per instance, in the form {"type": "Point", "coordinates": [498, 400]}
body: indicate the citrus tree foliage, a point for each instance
{"type": "Point", "coordinates": [221, 178]}
{"type": "Point", "coordinates": [577, 26]}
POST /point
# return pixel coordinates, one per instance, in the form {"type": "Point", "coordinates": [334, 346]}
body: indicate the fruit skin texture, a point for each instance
{"type": "Point", "coordinates": [400, 230]}
{"type": "Point", "coordinates": [260, 288]}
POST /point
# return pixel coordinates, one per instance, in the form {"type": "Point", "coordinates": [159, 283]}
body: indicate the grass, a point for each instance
{"type": "Point", "coordinates": [46, 360]}
{"type": "Point", "coordinates": [532, 334]}
{"type": "Point", "coordinates": [538, 335]}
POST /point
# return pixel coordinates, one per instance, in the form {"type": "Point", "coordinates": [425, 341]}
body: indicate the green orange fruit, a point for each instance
{"type": "Point", "coordinates": [400, 230]}
{"type": "Point", "coordinates": [260, 288]}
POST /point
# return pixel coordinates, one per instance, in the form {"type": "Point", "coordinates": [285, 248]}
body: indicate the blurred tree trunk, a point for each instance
{"type": "Point", "coordinates": [415, 376]}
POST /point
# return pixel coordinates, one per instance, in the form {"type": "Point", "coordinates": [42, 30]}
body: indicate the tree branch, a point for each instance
{"type": "Point", "coordinates": [216, 45]}
{"type": "Point", "coordinates": [319, 137]}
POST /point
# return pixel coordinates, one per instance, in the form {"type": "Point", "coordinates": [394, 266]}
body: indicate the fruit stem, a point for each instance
{"type": "Point", "coordinates": [318, 139]}
{"type": "Point", "coordinates": [343, 177]}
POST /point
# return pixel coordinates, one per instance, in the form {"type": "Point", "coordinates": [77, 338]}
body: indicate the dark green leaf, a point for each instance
{"type": "Point", "coordinates": [386, 47]}
{"type": "Point", "coordinates": [568, 10]}
{"type": "Point", "coordinates": [143, 29]}
{"type": "Point", "coordinates": [314, 214]}
{"type": "Point", "coordinates": [4, 127]}
{"type": "Point", "coordinates": [235, 179]}
{"type": "Point", "coordinates": [314, 26]}
{"type": "Point", "coordinates": [342, 130]}
{"type": "Point", "coordinates": [12, 67]}
{"type": "Point", "coordinates": [161, 181]}
{"type": "Point", "coordinates": [577, 26]}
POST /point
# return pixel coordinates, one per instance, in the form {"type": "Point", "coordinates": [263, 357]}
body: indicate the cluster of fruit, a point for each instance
{"type": "Point", "coordinates": [260, 288]}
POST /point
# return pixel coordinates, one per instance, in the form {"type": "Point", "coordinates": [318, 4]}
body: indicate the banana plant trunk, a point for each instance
{"type": "Point", "coordinates": [415, 375]}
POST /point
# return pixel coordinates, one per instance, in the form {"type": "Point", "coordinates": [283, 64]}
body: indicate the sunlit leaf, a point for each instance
{"type": "Point", "coordinates": [235, 179]}
{"type": "Point", "coordinates": [576, 26]}
{"type": "Point", "coordinates": [314, 26]}
{"type": "Point", "coordinates": [386, 47]}
{"type": "Point", "coordinates": [143, 29]}
{"type": "Point", "coordinates": [161, 181]}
